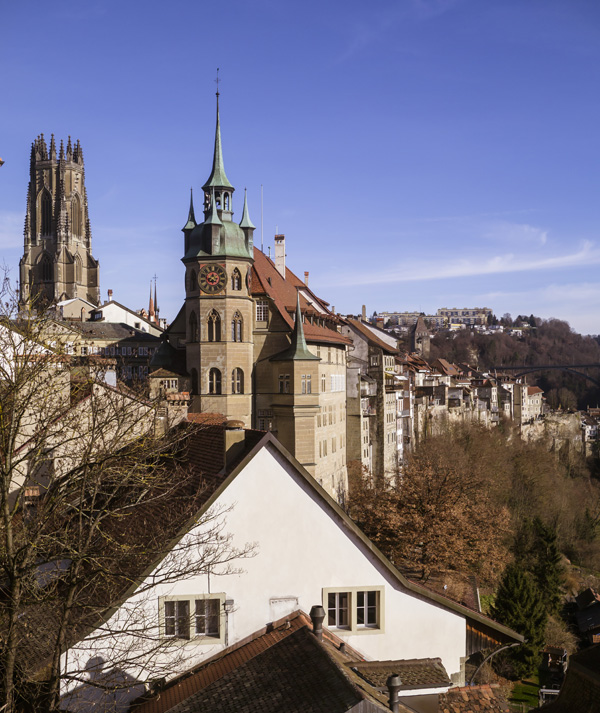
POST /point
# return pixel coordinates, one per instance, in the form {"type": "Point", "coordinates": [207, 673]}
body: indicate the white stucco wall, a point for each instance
{"type": "Point", "coordinates": [301, 549]}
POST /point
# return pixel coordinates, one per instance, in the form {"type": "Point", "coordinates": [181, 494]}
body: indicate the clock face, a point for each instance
{"type": "Point", "coordinates": [212, 278]}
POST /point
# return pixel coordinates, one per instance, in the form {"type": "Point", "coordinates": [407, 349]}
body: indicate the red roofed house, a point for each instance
{"type": "Point", "coordinates": [307, 552]}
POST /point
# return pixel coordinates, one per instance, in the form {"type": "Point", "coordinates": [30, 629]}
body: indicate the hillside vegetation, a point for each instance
{"type": "Point", "coordinates": [551, 341]}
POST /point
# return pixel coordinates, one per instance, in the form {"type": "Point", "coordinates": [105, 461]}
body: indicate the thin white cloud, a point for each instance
{"type": "Point", "coordinates": [418, 270]}
{"type": "Point", "coordinates": [11, 230]}
{"type": "Point", "coordinates": [519, 233]}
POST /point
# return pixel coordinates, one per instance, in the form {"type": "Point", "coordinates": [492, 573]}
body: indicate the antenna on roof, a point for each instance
{"type": "Point", "coordinates": [262, 232]}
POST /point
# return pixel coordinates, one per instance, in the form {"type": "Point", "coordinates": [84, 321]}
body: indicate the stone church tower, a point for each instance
{"type": "Point", "coordinates": [57, 262]}
{"type": "Point", "coordinates": [218, 306]}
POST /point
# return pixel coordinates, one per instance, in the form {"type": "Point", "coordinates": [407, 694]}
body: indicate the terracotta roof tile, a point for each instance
{"type": "Point", "coordinates": [371, 336]}
{"type": "Point", "coordinates": [267, 280]}
{"type": "Point", "coordinates": [414, 673]}
{"type": "Point", "coordinates": [281, 668]}
{"type": "Point", "coordinates": [473, 699]}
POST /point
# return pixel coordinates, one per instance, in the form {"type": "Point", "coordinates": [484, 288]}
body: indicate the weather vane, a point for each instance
{"type": "Point", "coordinates": [217, 80]}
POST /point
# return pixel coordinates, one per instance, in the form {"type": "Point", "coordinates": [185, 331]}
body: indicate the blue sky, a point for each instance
{"type": "Point", "coordinates": [416, 153]}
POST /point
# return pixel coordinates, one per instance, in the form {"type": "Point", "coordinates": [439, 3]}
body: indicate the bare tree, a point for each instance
{"type": "Point", "coordinates": [87, 472]}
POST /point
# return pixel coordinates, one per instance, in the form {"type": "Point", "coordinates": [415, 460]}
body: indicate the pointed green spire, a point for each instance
{"type": "Point", "coordinates": [246, 222]}
{"type": "Point", "coordinates": [191, 221]}
{"type": "Point", "coordinates": [298, 349]}
{"type": "Point", "coordinates": [217, 179]}
{"type": "Point", "coordinates": [213, 216]}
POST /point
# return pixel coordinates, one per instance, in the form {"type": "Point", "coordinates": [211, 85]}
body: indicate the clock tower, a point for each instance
{"type": "Point", "coordinates": [218, 256]}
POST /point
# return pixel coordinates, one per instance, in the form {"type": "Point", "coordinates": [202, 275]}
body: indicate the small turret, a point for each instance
{"type": "Point", "coordinates": [52, 147]}
{"type": "Point", "coordinates": [69, 150]}
{"type": "Point", "coordinates": [247, 226]}
{"type": "Point", "coordinates": [191, 223]}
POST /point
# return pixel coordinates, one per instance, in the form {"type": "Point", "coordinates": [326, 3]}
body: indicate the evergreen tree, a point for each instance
{"type": "Point", "coordinates": [519, 605]}
{"type": "Point", "coordinates": [548, 569]}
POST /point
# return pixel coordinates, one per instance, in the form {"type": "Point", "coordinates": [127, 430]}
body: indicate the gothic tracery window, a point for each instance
{"type": "Point", "coordinates": [237, 381]}
{"type": "Point", "coordinates": [76, 216]}
{"type": "Point", "coordinates": [46, 268]}
{"type": "Point", "coordinates": [46, 211]}
{"type": "Point", "coordinates": [214, 326]}
{"type": "Point", "coordinates": [78, 270]}
{"type": "Point", "coordinates": [236, 327]}
{"type": "Point", "coordinates": [193, 283]}
{"type": "Point", "coordinates": [214, 381]}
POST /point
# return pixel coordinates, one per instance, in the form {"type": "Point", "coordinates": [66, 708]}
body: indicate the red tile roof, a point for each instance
{"type": "Point", "coordinates": [267, 280]}
{"type": "Point", "coordinates": [370, 335]}
{"type": "Point", "coordinates": [531, 390]}
{"type": "Point", "coordinates": [473, 699]}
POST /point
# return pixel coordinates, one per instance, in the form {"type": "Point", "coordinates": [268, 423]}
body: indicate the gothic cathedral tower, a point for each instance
{"type": "Point", "coordinates": [218, 307]}
{"type": "Point", "coordinates": [57, 262]}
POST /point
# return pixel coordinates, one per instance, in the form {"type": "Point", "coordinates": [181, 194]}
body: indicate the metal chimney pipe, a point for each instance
{"type": "Point", "coordinates": [393, 685]}
{"type": "Point", "coordinates": [317, 614]}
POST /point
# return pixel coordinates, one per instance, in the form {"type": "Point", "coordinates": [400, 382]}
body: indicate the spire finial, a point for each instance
{"type": "Point", "coordinates": [218, 178]}
{"type": "Point", "coordinates": [191, 221]}
{"type": "Point", "coordinates": [217, 81]}
{"type": "Point", "coordinates": [246, 222]}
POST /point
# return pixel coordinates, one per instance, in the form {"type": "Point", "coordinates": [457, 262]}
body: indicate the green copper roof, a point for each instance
{"type": "Point", "coordinates": [213, 215]}
{"type": "Point", "coordinates": [246, 222]}
{"type": "Point", "coordinates": [217, 179]}
{"type": "Point", "coordinates": [298, 349]}
{"type": "Point", "coordinates": [191, 221]}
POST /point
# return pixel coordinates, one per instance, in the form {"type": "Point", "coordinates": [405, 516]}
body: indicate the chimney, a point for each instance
{"type": "Point", "coordinates": [235, 440]}
{"type": "Point", "coordinates": [393, 685]}
{"type": "Point", "coordinates": [317, 614]}
{"type": "Point", "coordinates": [280, 254]}
{"type": "Point", "coordinates": [110, 294]}
{"type": "Point", "coordinates": [306, 277]}
{"type": "Point", "coordinates": [364, 313]}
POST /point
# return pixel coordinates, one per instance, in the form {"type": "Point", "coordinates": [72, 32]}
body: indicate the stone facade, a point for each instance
{"type": "Point", "coordinates": [254, 342]}
{"type": "Point", "coordinates": [57, 262]}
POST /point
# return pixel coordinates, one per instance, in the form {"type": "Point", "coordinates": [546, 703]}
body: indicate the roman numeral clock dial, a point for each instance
{"type": "Point", "coordinates": [212, 278]}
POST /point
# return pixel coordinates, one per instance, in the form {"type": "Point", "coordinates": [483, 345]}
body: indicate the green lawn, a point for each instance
{"type": "Point", "coordinates": [525, 695]}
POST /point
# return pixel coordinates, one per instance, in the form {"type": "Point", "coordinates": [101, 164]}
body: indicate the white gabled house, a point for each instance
{"type": "Point", "coordinates": [307, 551]}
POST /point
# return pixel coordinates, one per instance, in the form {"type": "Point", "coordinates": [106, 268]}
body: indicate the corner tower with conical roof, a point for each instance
{"type": "Point", "coordinates": [57, 262]}
{"type": "Point", "coordinates": [218, 257]}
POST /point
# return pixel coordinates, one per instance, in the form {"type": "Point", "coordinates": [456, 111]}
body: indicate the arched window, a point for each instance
{"type": "Point", "coordinates": [236, 327]}
{"type": "Point", "coordinates": [193, 281]}
{"type": "Point", "coordinates": [78, 270]}
{"type": "Point", "coordinates": [46, 213]}
{"type": "Point", "coordinates": [237, 381]}
{"type": "Point", "coordinates": [236, 280]}
{"type": "Point", "coordinates": [46, 268]}
{"type": "Point", "coordinates": [214, 326]}
{"type": "Point", "coordinates": [226, 201]}
{"type": "Point", "coordinates": [193, 332]}
{"type": "Point", "coordinates": [214, 381]}
{"type": "Point", "coordinates": [194, 381]}
{"type": "Point", "coordinates": [76, 216]}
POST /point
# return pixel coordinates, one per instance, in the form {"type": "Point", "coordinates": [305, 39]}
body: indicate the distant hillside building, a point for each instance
{"type": "Point", "coordinates": [466, 315]}
{"type": "Point", "coordinates": [57, 262]}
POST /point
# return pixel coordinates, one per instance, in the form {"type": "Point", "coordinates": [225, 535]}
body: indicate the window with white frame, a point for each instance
{"type": "Point", "coordinates": [357, 609]}
{"type": "Point", "coordinates": [192, 617]}
{"type": "Point", "coordinates": [338, 610]}
{"type": "Point", "coordinates": [262, 310]}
